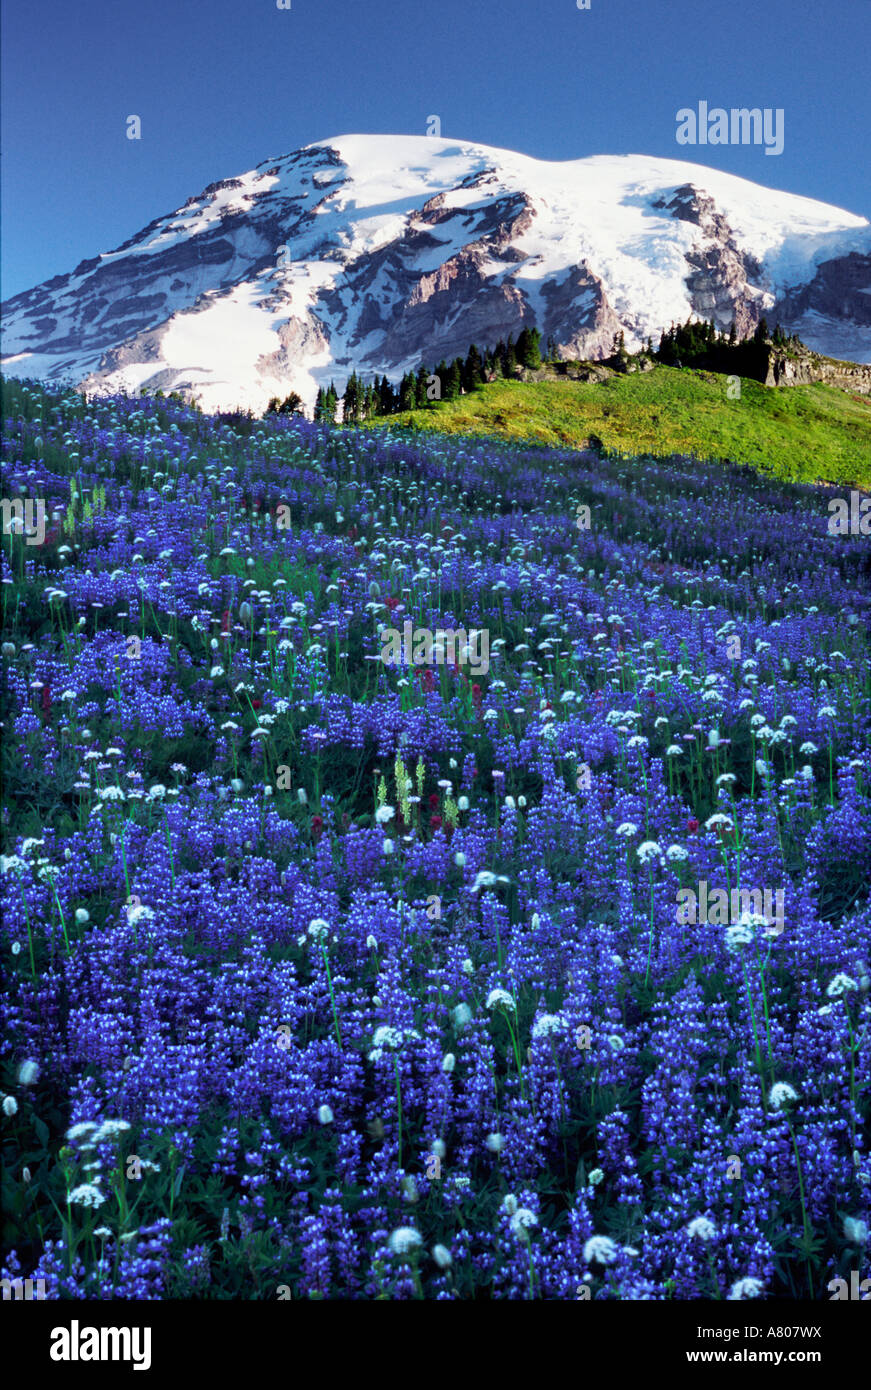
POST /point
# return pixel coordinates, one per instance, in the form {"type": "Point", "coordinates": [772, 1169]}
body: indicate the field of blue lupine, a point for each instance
{"type": "Point", "coordinates": [325, 978]}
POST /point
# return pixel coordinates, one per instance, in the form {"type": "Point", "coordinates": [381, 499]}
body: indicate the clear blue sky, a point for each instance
{"type": "Point", "coordinates": [222, 84]}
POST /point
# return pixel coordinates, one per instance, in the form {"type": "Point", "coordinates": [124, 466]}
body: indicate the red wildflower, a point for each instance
{"type": "Point", "coordinates": [433, 800]}
{"type": "Point", "coordinates": [427, 680]}
{"type": "Point", "coordinates": [225, 622]}
{"type": "Point", "coordinates": [317, 826]}
{"type": "Point", "coordinates": [435, 822]}
{"type": "Point", "coordinates": [45, 701]}
{"type": "Point", "coordinates": [476, 695]}
{"type": "Point", "coordinates": [692, 825]}
{"type": "Point", "coordinates": [255, 704]}
{"type": "Point", "coordinates": [391, 602]}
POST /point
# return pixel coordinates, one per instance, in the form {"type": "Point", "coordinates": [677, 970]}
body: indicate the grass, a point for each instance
{"type": "Point", "coordinates": [799, 433]}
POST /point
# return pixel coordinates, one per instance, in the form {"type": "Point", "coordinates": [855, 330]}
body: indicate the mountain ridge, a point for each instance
{"type": "Point", "coordinates": [373, 252]}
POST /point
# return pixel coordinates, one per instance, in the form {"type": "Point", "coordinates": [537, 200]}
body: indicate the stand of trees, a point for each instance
{"type": "Point", "coordinates": [291, 405]}
{"type": "Point", "coordinates": [691, 344]}
{"type": "Point", "coordinates": [421, 389]}
{"type": "Point", "coordinates": [700, 344]}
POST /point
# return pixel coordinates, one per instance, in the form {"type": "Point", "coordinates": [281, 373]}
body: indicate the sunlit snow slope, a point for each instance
{"type": "Point", "coordinates": [373, 252]}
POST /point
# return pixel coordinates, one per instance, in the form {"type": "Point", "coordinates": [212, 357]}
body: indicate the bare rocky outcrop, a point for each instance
{"type": "Point", "coordinates": [724, 282]}
{"type": "Point", "coordinates": [458, 301]}
{"type": "Point", "coordinates": [841, 288]}
{"type": "Point", "coordinates": [579, 317]}
{"type": "Point", "coordinates": [300, 338]}
{"type": "Point", "coordinates": [802, 367]}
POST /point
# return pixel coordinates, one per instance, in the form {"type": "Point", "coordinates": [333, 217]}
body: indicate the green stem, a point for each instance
{"type": "Point", "coordinates": [332, 997]}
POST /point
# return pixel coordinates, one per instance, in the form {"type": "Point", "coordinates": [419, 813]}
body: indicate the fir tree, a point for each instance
{"type": "Point", "coordinates": [291, 405]}
{"type": "Point", "coordinates": [351, 401]}
{"type": "Point", "coordinates": [423, 376]}
{"type": "Point", "coordinates": [452, 386]}
{"type": "Point", "coordinates": [473, 369]}
{"type": "Point", "coordinates": [528, 348]}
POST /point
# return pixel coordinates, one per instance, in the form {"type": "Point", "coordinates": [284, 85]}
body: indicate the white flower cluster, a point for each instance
{"type": "Point", "coordinates": [390, 1038]}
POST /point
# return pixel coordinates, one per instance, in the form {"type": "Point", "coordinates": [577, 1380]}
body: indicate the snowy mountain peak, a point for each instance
{"type": "Point", "coordinates": [373, 252]}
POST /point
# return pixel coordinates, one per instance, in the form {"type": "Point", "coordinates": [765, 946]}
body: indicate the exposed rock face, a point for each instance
{"type": "Point", "coordinates": [797, 370]}
{"type": "Point", "coordinates": [724, 282]}
{"type": "Point", "coordinates": [302, 337]}
{"type": "Point", "coordinates": [456, 303]}
{"type": "Point", "coordinates": [378, 252]}
{"type": "Point", "coordinates": [832, 311]}
{"type": "Point", "coordinates": [841, 287]}
{"type": "Point", "coordinates": [579, 316]}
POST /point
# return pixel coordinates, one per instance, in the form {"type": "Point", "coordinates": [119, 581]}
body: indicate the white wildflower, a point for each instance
{"type": "Point", "coordinates": [404, 1239]}
{"type": "Point", "coordinates": [700, 1228]}
{"type": "Point", "coordinates": [86, 1195]}
{"type": "Point", "coordinates": [650, 849]}
{"type": "Point", "coordinates": [600, 1250]}
{"type": "Point", "coordinates": [745, 1288]}
{"type": "Point", "coordinates": [841, 984]}
{"type": "Point", "coordinates": [548, 1024]}
{"type": "Point", "coordinates": [855, 1230]}
{"type": "Point", "coordinates": [500, 998]}
{"type": "Point", "coordinates": [781, 1094]}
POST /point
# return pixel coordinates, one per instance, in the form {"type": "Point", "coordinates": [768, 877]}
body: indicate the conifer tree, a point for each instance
{"type": "Point", "coordinates": [423, 375]}
{"type": "Point", "coordinates": [452, 386]}
{"type": "Point", "coordinates": [351, 401]}
{"type": "Point", "coordinates": [473, 369]}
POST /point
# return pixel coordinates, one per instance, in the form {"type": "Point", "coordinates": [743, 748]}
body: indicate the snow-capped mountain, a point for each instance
{"type": "Point", "coordinates": [374, 252]}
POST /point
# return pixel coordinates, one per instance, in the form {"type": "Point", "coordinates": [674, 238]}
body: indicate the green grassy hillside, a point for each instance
{"type": "Point", "coordinates": [803, 433]}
